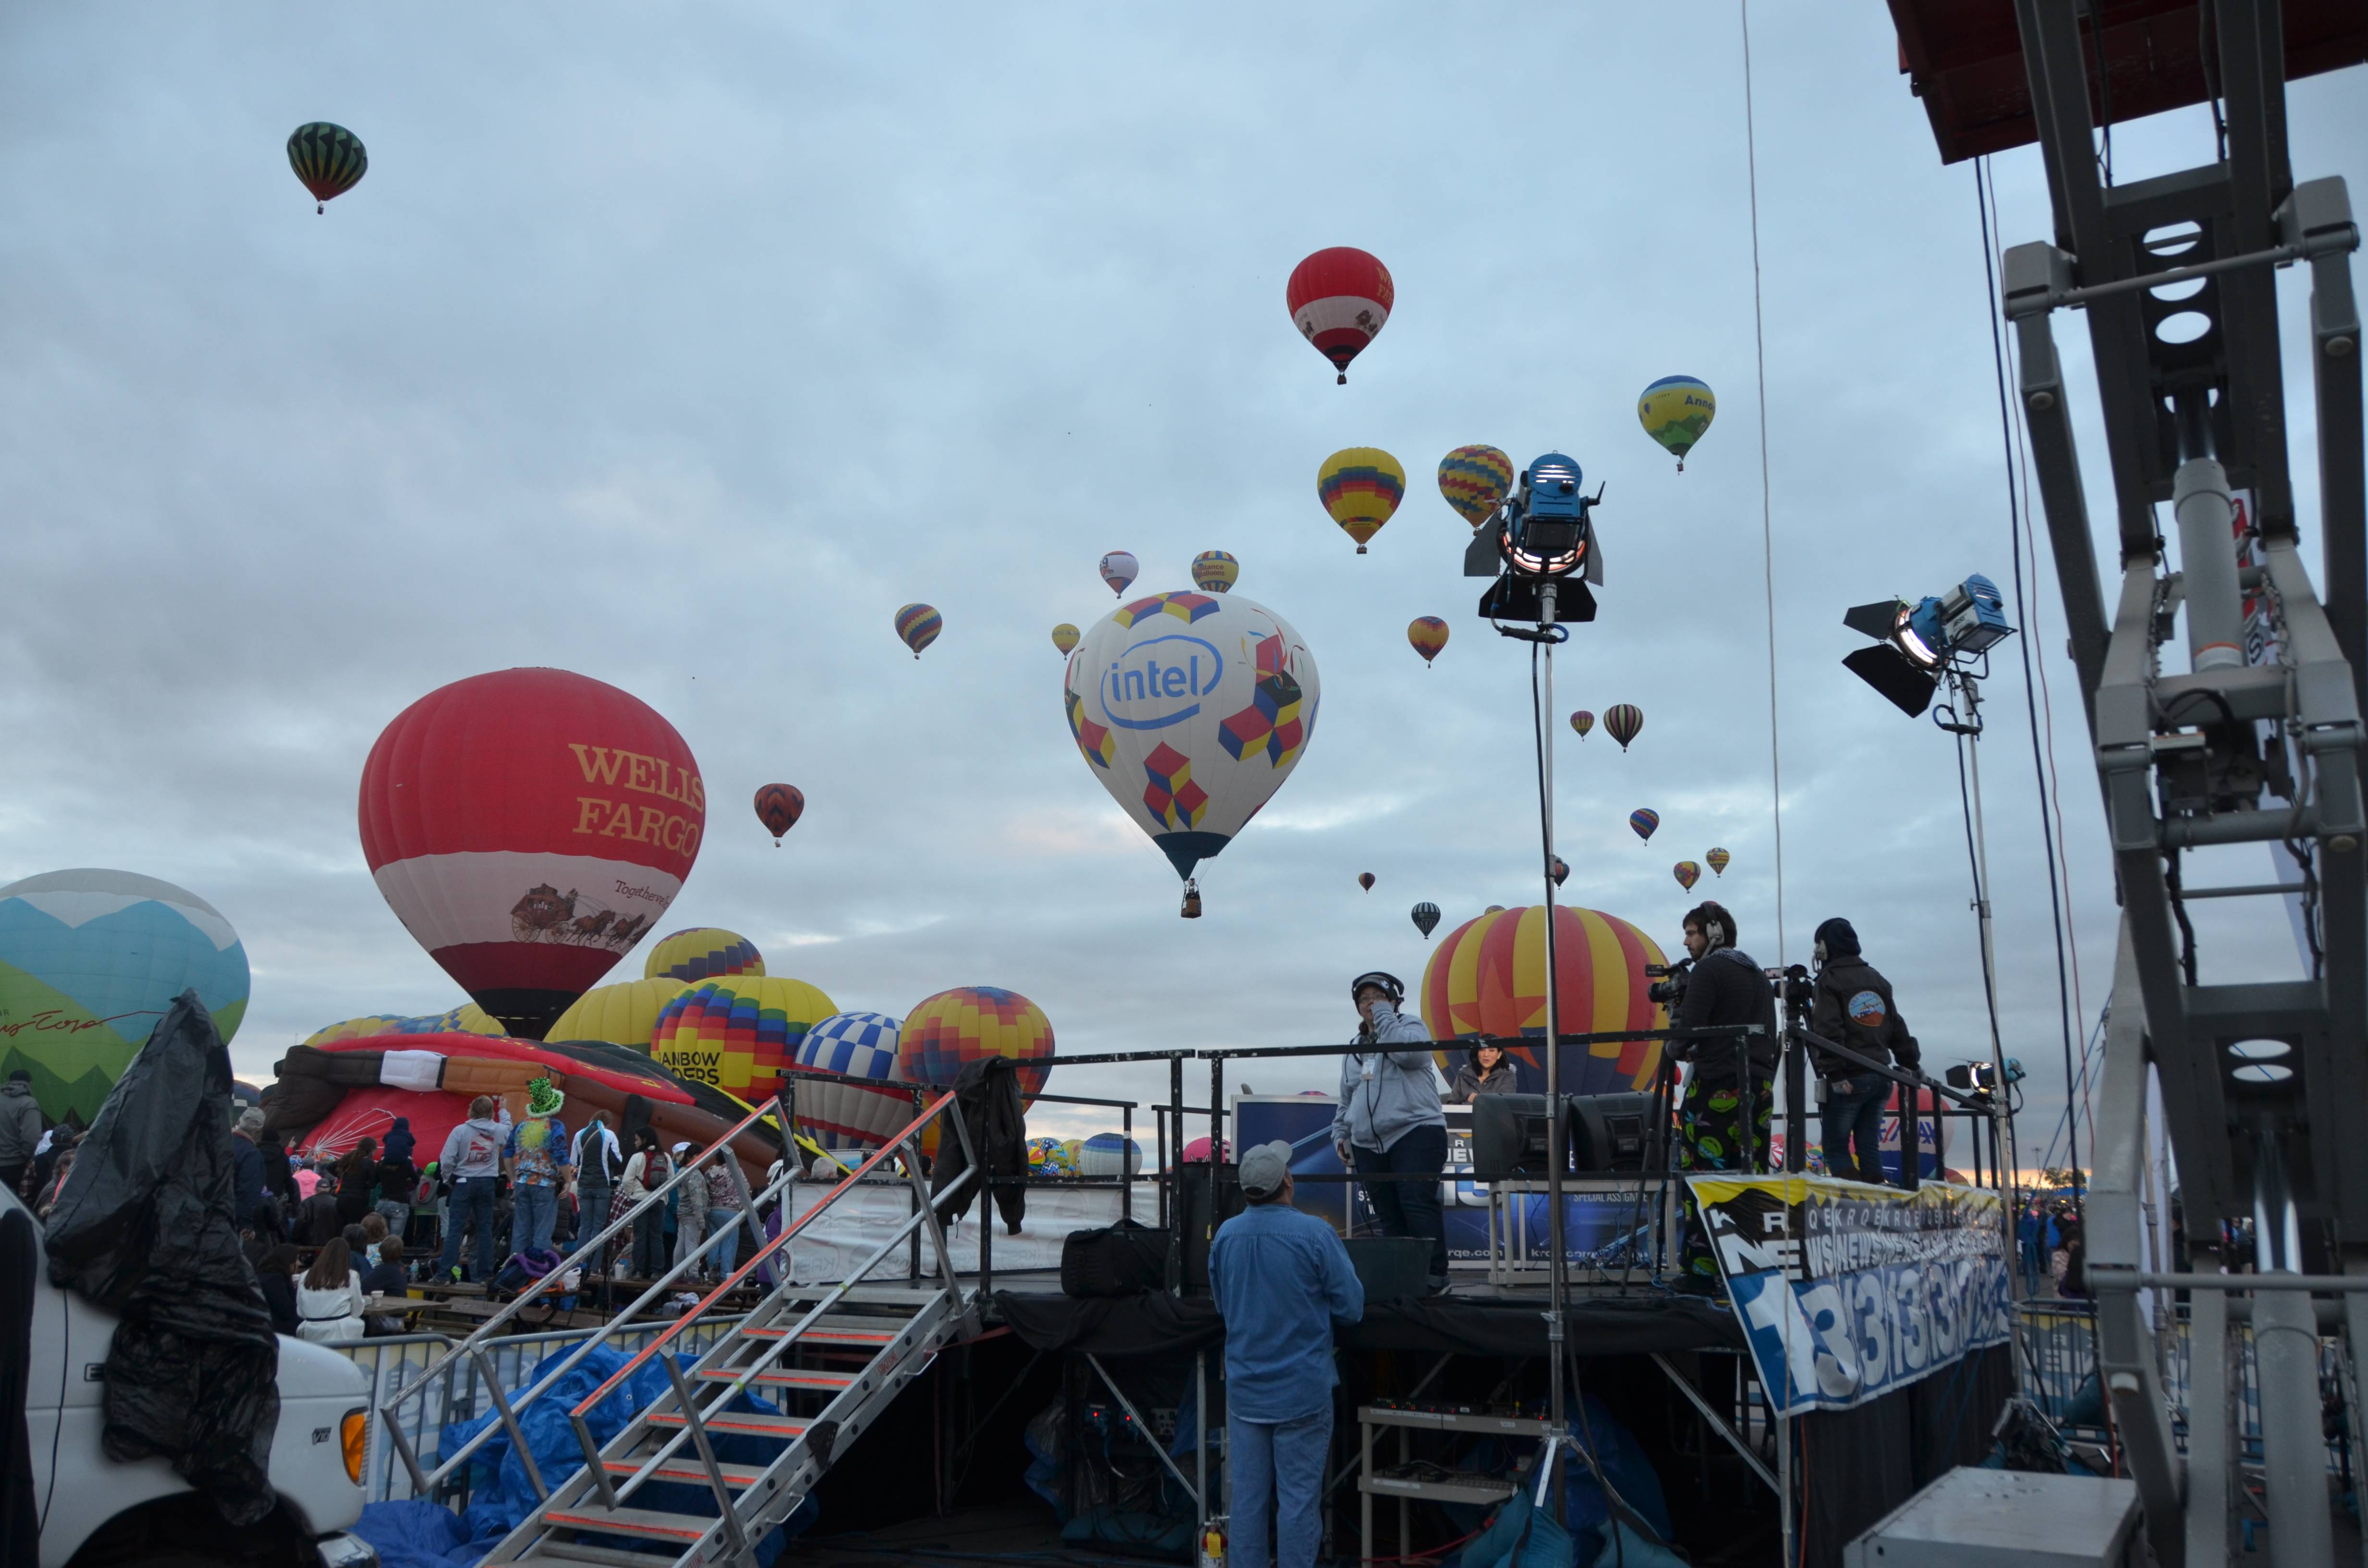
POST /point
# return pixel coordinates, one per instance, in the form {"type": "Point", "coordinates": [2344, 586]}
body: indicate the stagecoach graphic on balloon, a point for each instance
{"type": "Point", "coordinates": [546, 915]}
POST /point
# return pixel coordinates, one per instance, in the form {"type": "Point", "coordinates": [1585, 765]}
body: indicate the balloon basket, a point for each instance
{"type": "Point", "coordinates": [1192, 910]}
{"type": "Point", "coordinates": [1343, 380]}
{"type": "Point", "coordinates": [1361, 550]}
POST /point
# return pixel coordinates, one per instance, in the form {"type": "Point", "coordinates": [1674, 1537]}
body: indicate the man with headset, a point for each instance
{"type": "Point", "coordinates": [1390, 1121]}
{"type": "Point", "coordinates": [1723, 1120]}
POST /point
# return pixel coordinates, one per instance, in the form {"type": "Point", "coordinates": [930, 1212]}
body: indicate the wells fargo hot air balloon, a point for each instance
{"type": "Point", "coordinates": [1644, 819]}
{"type": "Point", "coordinates": [1687, 873]}
{"type": "Point", "coordinates": [1365, 881]}
{"type": "Point", "coordinates": [849, 1116]}
{"type": "Point", "coordinates": [1339, 298]}
{"type": "Point", "coordinates": [1475, 480]}
{"type": "Point", "coordinates": [89, 961]}
{"type": "Point", "coordinates": [1361, 486]}
{"type": "Point", "coordinates": [328, 158]}
{"type": "Point", "coordinates": [1488, 977]}
{"type": "Point", "coordinates": [779, 807]}
{"type": "Point", "coordinates": [1676, 411]}
{"type": "Point", "coordinates": [739, 1033]}
{"type": "Point", "coordinates": [1192, 710]}
{"type": "Point", "coordinates": [956, 1027]}
{"type": "Point", "coordinates": [702, 952]}
{"type": "Point", "coordinates": [1429, 635]}
{"type": "Point", "coordinates": [1426, 919]}
{"type": "Point", "coordinates": [624, 1014]}
{"type": "Point", "coordinates": [1623, 721]}
{"type": "Point", "coordinates": [527, 827]}
{"type": "Point", "coordinates": [918, 625]}
{"type": "Point", "coordinates": [1064, 637]}
{"type": "Point", "coordinates": [1718, 859]}
{"type": "Point", "coordinates": [1582, 722]}
{"type": "Point", "coordinates": [1118, 569]}
{"type": "Point", "coordinates": [1214, 572]}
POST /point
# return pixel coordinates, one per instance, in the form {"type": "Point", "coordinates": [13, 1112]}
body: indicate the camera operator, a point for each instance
{"type": "Point", "coordinates": [1853, 1007]}
{"type": "Point", "coordinates": [1723, 1121]}
{"type": "Point", "coordinates": [1390, 1120]}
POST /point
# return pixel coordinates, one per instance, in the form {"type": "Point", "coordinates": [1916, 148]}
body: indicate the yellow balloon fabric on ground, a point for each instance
{"type": "Point", "coordinates": [623, 1014]}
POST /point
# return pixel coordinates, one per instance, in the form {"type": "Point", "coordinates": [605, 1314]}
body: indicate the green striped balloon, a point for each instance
{"type": "Point", "coordinates": [328, 158]}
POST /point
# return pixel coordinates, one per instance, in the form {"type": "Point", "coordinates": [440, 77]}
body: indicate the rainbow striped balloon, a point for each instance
{"type": "Point", "coordinates": [1643, 821]}
{"type": "Point", "coordinates": [958, 1026]}
{"type": "Point", "coordinates": [918, 625]}
{"type": "Point", "coordinates": [1429, 635]}
{"type": "Point", "coordinates": [1475, 480]}
{"type": "Point", "coordinates": [1488, 976]}
{"type": "Point", "coordinates": [1687, 873]}
{"type": "Point", "coordinates": [1361, 487]}
{"type": "Point", "coordinates": [702, 952]}
{"type": "Point", "coordinates": [741, 1033]}
{"type": "Point", "coordinates": [1214, 572]}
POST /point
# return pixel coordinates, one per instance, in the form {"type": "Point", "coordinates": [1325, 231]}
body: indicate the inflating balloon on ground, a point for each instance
{"type": "Point", "coordinates": [702, 952]}
{"type": "Point", "coordinates": [1488, 976]}
{"type": "Point", "coordinates": [740, 1033]}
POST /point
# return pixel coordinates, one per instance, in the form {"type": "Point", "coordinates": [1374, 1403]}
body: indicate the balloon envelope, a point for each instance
{"type": "Point", "coordinates": [1365, 881]}
{"type": "Point", "coordinates": [1643, 821]}
{"type": "Point", "coordinates": [848, 1116]}
{"type": "Point", "coordinates": [1719, 860]}
{"type": "Point", "coordinates": [1425, 917]}
{"type": "Point", "coordinates": [1622, 723]}
{"type": "Point", "coordinates": [702, 952]}
{"type": "Point", "coordinates": [1561, 870]}
{"type": "Point", "coordinates": [1064, 637]}
{"type": "Point", "coordinates": [1110, 1154]}
{"type": "Point", "coordinates": [1676, 411]}
{"type": "Point", "coordinates": [1488, 976]}
{"type": "Point", "coordinates": [739, 1033]}
{"type": "Point", "coordinates": [1119, 568]}
{"type": "Point", "coordinates": [918, 625]}
{"type": "Point", "coordinates": [779, 807]}
{"type": "Point", "coordinates": [90, 961]}
{"type": "Point", "coordinates": [527, 827]}
{"type": "Point", "coordinates": [1214, 572]}
{"type": "Point", "coordinates": [623, 1014]}
{"type": "Point", "coordinates": [1687, 873]}
{"type": "Point", "coordinates": [1361, 487]}
{"type": "Point", "coordinates": [1429, 635]}
{"type": "Point", "coordinates": [1339, 298]}
{"type": "Point", "coordinates": [955, 1027]}
{"type": "Point", "coordinates": [328, 158]}
{"type": "Point", "coordinates": [1192, 710]}
{"type": "Point", "coordinates": [1475, 480]}
{"type": "Point", "coordinates": [1582, 722]}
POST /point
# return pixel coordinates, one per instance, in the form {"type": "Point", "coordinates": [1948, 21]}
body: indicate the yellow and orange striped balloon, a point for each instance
{"type": "Point", "coordinates": [1489, 976]}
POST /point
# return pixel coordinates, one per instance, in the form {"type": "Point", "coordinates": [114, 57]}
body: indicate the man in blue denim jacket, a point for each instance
{"type": "Point", "coordinates": [1391, 1120]}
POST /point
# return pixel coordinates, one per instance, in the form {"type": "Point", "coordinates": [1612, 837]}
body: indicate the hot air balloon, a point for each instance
{"type": "Point", "coordinates": [1192, 710]}
{"type": "Point", "coordinates": [89, 961]}
{"type": "Point", "coordinates": [1488, 976]}
{"type": "Point", "coordinates": [1064, 637]}
{"type": "Point", "coordinates": [1426, 919]}
{"type": "Point", "coordinates": [1338, 300]}
{"type": "Point", "coordinates": [328, 158]}
{"type": "Point", "coordinates": [740, 1033]}
{"type": "Point", "coordinates": [1676, 411]}
{"type": "Point", "coordinates": [1718, 859]}
{"type": "Point", "coordinates": [1110, 1154]}
{"type": "Point", "coordinates": [1365, 881]}
{"type": "Point", "coordinates": [1119, 568]}
{"type": "Point", "coordinates": [1475, 480]}
{"type": "Point", "coordinates": [1561, 870]}
{"type": "Point", "coordinates": [779, 806]}
{"type": "Point", "coordinates": [1582, 722]}
{"type": "Point", "coordinates": [1361, 486]}
{"type": "Point", "coordinates": [702, 952]}
{"type": "Point", "coordinates": [1687, 873]}
{"type": "Point", "coordinates": [1049, 1157]}
{"type": "Point", "coordinates": [956, 1027]}
{"type": "Point", "coordinates": [848, 1116]}
{"type": "Point", "coordinates": [918, 625]}
{"type": "Point", "coordinates": [1495, 909]}
{"type": "Point", "coordinates": [1623, 721]}
{"type": "Point", "coordinates": [529, 826]}
{"type": "Point", "coordinates": [1643, 821]}
{"type": "Point", "coordinates": [623, 1014]}
{"type": "Point", "coordinates": [1429, 635]}
{"type": "Point", "coordinates": [1214, 572]}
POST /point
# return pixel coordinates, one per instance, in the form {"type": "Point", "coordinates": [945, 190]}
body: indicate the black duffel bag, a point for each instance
{"type": "Point", "coordinates": [1125, 1259]}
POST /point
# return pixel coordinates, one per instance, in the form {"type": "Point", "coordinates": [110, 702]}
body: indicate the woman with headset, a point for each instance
{"type": "Point", "coordinates": [1390, 1121]}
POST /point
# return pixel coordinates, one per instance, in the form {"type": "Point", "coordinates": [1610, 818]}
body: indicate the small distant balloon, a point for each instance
{"type": "Point", "coordinates": [1561, 870]}
{"type": "Point", "coordinates": [1064, 637]}
{"type": "Point", "coordinates": [1687, 873]}
{"type": "Point", "coordinates": [1582, 722]}
{"type": "Point", "coordinates": [1718, 859]}
{"type": "Point", "coordinates": [1425, 919]}
{"type": "Point", "coordinates": [1361, 487]}
{"type": "Point", "coordinates": [1494, 909]}
{"type": "Point", "coordinates": [918, 625]}
{"type": "Point", "coordinates": [1119, 568]}
{"type": "Point", "coordinates": [1338, 300]}
{"type": "Point", "coordinates": [1429, 635]}
{"type": "Point", "coordinates": [328, 158]}
{"type": "Point", "coordinates": [779, 806]}
{"type": "Point", "coordinates": [1475, 480]}
{"type": "Point", "coordinates": [1676, 411]}
{"type": "Point", "coordinates": [1622, 723]}
{"type": "Point", "coordinates": [1365, 881]}
{"type": "Point", "coordinates": [1214, 572]}
{"type": "Point", "coordinates": [1644, 819]}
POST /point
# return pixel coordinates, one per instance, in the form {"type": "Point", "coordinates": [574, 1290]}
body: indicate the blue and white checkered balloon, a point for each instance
{"type": "Point", "coordinates": [845, 1116]}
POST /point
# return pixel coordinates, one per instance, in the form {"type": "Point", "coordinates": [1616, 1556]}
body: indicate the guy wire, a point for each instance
{"type": "Point", "coordinates": [1767, 520]}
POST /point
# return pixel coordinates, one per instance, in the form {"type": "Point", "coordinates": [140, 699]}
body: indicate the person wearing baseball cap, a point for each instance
{"type": "Point", "coordinates": [1391, 1121]}
{"type": "Point", "coordinates": [1283, 1282]}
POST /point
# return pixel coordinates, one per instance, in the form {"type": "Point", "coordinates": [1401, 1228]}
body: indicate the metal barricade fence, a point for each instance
{"type": "Point", "coordinates": [457, 1393]}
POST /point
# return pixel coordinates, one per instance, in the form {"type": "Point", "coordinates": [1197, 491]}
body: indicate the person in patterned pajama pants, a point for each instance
{"type": "Point", "coordinates": [1712, 1137]}
{"type": "Point", "coordinates": [1723, 1121]}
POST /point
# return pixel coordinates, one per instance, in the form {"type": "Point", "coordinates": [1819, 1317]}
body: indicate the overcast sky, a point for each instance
{"type": "Point", "coordinates": [679, 348]}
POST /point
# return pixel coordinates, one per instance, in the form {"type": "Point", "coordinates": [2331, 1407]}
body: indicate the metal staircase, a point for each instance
{"type": "Point", "coordinates": [827, 1357]}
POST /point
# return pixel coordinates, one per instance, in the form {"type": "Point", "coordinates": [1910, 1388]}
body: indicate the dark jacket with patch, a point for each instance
{"type": "Point", "coordinates": [1854, 1008]}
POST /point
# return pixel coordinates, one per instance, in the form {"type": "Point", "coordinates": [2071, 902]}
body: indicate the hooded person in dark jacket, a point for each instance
{"type": "Point", "coordinates": [1853, 1007]}
{"type": "Point", "coordinates": [400, 1144]}
{"type": "Point", "coordinates": [1723, 1121]}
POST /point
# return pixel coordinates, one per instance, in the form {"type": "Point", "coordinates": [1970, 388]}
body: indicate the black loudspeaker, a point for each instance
{"type": "Point", "coordinates": [1614, 1133]}
{"type": "Point", "coordinates": [1199, 1221]}
{"type": "Point", "coordinates": [1509, 1136]}
{"type": "Point", "coordinates": [1390, 1268]}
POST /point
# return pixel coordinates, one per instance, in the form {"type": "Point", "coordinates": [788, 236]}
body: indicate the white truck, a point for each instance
{"type": "Point", "coordinates": [96, 1513]}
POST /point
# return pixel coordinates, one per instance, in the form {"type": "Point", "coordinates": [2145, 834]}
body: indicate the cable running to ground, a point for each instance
{"type": "Point", "coordinates": [1766, 521]}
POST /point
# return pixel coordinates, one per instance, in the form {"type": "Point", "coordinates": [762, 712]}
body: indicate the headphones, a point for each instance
{"type": "Point", "coordinates": [1390, 983]}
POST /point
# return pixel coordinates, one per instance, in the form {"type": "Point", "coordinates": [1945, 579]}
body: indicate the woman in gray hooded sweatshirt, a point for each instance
{"type": "Point", "coordinates": [1390, 1121]}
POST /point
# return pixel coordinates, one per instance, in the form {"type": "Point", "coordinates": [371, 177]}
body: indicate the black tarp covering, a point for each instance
{"type": "Point", "coordinates": [1855, 1466]}
{"type": "Point", "coordinates": [1608, 1325]}
{"type": "Point", "coordinates": [145, 1230]}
